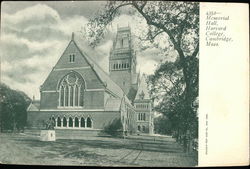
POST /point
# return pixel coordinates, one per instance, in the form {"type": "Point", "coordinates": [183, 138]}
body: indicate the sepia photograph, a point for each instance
{"type": "Point", "coordinates": [99, 83]}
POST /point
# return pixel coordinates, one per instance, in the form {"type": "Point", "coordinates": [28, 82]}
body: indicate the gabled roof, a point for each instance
{"type": "Point", "coordinates": [34, 106]}
{"type": "Point", "coordinates": [113, 104]}
{"type": "Point", "coordinates": [142, 89]}
{"type": "Point", "coordinates": [128, 101]}
{"type": "Point", "coordinates": [131, 93]}
{"type": "Point", "coordinates": [102, 75]}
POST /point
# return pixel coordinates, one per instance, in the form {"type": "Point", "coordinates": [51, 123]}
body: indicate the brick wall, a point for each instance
{"type": "Point", "coordinates": [63, 62]}
{"type": "Point", "coordinates": [122, 78]}
{"type": "Point", "coordinates": [92, 100]}
{"type": "Point", "coordinates": [49, 89]}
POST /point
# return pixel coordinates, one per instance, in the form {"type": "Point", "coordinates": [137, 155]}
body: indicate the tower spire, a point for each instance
{"type": "Point", "coordinates": [72, 36]}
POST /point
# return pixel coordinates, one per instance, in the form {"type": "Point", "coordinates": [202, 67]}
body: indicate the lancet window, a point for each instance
{"type": "Point", "coordinates": [71, 91]}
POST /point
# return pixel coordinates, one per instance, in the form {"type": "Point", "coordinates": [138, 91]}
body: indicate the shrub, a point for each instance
{"type": "Point", "coordinates": [114, 128]}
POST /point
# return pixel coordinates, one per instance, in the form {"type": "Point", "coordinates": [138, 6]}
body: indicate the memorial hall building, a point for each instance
{"type": "Point", "coordinates": [79, 95]}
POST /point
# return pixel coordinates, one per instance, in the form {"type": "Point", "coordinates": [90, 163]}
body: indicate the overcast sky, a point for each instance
{"type": "Point", "coordinates": [35, 34]}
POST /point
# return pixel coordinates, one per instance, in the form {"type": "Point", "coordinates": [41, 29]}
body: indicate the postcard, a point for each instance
{"type": "Point", "coordinates": [124, 83]}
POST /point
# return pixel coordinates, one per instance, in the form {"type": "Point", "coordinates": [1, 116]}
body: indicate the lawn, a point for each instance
{"type": "Point", "coordinates": [26, 148]}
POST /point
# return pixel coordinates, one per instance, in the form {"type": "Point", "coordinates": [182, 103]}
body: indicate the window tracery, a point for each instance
{"type": "Point", "coordinates": [71, 91]}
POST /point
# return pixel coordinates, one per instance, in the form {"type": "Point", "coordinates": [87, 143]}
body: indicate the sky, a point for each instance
{"type": "Point", "coordinates": [35, 34]}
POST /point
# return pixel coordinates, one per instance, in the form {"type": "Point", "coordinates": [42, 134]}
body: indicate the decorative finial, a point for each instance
{"type": "Point", "coordinates": [141, 95]}
{"type": "Point", "coordinates": [33, 97]}
{"type": "Point", "coordinates": [72, 37]}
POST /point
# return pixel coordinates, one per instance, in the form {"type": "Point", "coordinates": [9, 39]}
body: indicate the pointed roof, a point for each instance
{"type": "Point", "coordinates": [90, 55]}
{"type": "Point", "coordinates": [131, 93]}
{"type": "Point", "coordinates": [113, 104]}
{"type": "Point", "coordinates": [102, 75]}
{"type": "Point", "coordinates": [142, 92]}
{"type": "Point", "coordinates": [34, 106]}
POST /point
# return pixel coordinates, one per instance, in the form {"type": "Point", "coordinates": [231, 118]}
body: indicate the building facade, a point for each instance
{"type": "Point", "coordinates": [78, 94]}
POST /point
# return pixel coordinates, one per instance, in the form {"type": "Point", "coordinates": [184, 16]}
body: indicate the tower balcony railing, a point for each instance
{"type": "Point", "coordinates": [122, 50]}
{"type": "Point", "coordinates": [120, 56]}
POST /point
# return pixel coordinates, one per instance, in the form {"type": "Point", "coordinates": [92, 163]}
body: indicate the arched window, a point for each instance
{"type": "Point", "coordinates": [71, 95]}
{"type": "Point", "coordinates": [89, 122]}
{"type": "Point", "coordinates": [62, 95]}
{"type": "Point", "coordinates": [76, 95]}
{"type": "Point", "coordinates": [64, 122]}
{"type": "Point", "coordinates": [143, 128]}
{"type": "Point", "coordinates": [122, 43]}
{"type": "Point", "coordinates": [71, 91]}
{"type": "Point", "coordinates": [76, 122]}
{"type": "Point", "coordinates": [81, 100]}
{"type": "Point", "coordinates": [58, 122]}
{"type": "Point", "coordinates": [139, 128]}
{"type": "Point", "coordinates": [119, 65]}
{"type": "Point", "coordinates": [144, 116]}
{"type": "Point", "coordinates": [66, 101]}
{"type": "Point", "coordinates": [72, 58]}
{"type": "Point", "coordinates": [82, 122]}
{"type": "Point", "coordinates": [70, 122]}
{"type": "Point", "coordinates": [53, 121]}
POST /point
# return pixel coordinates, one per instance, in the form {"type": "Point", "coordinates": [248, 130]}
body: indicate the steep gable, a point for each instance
{"type": "Point", "coordinates": [65, 65]}
{"type": "Point", "coordinates": [34, 106]}
{"type": "Point", "coordinates": [142, 92]}
{"type": "Point", "coordinates": [102, 75]}
{"type": "Point", "coordinates": [84, 65]}
{"type": "Point", "coordinates": [71, 50]}
{"type": "Point", "coordinates": [113, 104]}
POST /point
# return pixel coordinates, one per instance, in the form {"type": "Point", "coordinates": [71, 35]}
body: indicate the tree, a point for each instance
{"type": "Point", "coordinates": [180, 22]}
{"type": "Point", "coordinates": [163, 125]}
{"type": "Point", "coordinates": [167, 88]}
{"type": "Point", "coordinates": [13, 105]}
